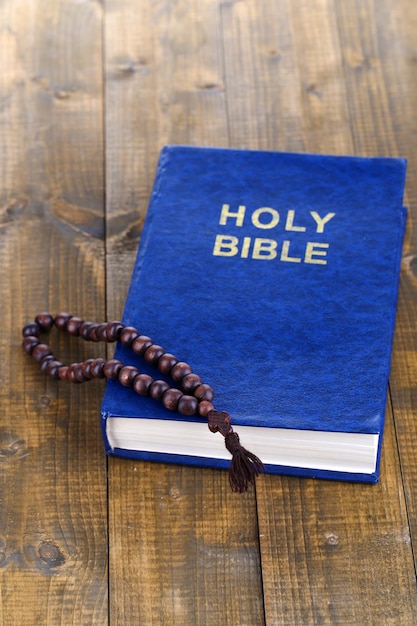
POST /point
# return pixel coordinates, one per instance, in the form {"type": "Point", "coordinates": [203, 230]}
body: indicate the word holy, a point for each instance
{"type": "Point", "coordinates": [266, 218]}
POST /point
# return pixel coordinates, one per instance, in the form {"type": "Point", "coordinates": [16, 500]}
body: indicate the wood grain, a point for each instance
{"type": "Point", "coordinates": [90, 92]}
{"type": "Point", "coordinates": [335, 553]}
{"type": "Point", "coordinates": [184, 548]}
{"type": "Point", "coordinates": [380, 62]}
{"type": "Point", "coordinates": [397, 47]}
{"type": "Point", "coordinates": [52, 470]}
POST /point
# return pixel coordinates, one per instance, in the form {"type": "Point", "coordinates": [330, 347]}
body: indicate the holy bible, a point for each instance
{"type": "Point", "coordinates": [275, 276]}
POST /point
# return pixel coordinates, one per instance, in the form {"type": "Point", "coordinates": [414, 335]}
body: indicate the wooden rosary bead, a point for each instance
{"type": "Point", "coordinates": [204, 392]}
{"type": "Point", "coordinates": [128, 335]}
{"type": "Point", "coordinates": [167, 362]}
{"type": "Point", "coordinates": [97, 367]}
{"type": "Point", "coordinates": [45, 320]}
{"type": "Point", "coordinates": [73, 326]}
{"type": "Point", "coordinates": [32, 329]}
{"type": "Point", "coordinates": [93, 333]}
{"type": "Point", "coordinates": [127, 375]}
{"type": "Point", "coordinates": [112, 368]}
{"type": "Point", "coordinates": [79, 374]}
{"type": "Point", "coordinates": [180, 370]}
{"type": "Point", "coordinates": [40, 351]}
{"type": "Point", "coordinates": [62, 372]}
{"type": "Point", "coordinates": [61, 320]}
{"type": "Point", "coordinates": [45, 362]}
{"type": "Point", "coordinates": [101, 332]}
{"type": "Point", "coordinates": [52, 368]}
{"type": "Point", "coordinates": [153, 354]}
{"type": "Point", "coordinates": [188, 405]}
{"type": "Point", "coordinates": [72, 373]}
{"type": "Point", "coordinates": [204, 408]}
{"type": "Point", "coordinates": [141, 384]}
{"type": "Point", "coordinates": [158, 388]}
{"type": "Point", "coordinates": [190, 382]}
{"type": "Point", "coordinates": [29, 343]}
{"type": "Point", "coordinates": [141, 344]}
{"type": "Point", "coordinates": [85, 330]}
{"type": "Point", "coordinates": [171, 398]}
{"type": "Point", "coordinates": [86, 368]}
{"type": "Point", "coordinates": [113, 330]}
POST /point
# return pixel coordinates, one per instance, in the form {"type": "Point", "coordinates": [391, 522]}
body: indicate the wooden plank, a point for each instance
{"type": "Point", "coordinates": [395, 37]}
{"type": "Point", "coordinates": [315, 535]}
{"type": "Point", "coordinates": [335, 553]}
{"type": "Point", "coordinates": [53, 556]}
{"type": "Point", "coordinates": [184, 549]}
{"type": "Point", "coordinates": [379, 51]}
{"type": "Point", "coordinates": [259, 60]}
{"type": "Point", "coordinates": [283, 76]}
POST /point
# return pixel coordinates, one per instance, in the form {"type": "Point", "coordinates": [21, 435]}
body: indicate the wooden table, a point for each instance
{"type": "Point", "coordinates": [90, 92]}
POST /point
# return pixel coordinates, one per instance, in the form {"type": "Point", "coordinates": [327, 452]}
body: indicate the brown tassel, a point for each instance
{"type": "Point", "coordinates": [245, 465]}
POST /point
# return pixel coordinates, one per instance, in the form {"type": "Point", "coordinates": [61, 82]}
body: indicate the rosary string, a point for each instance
{"type": "Point", "coordinates": [194, 397]}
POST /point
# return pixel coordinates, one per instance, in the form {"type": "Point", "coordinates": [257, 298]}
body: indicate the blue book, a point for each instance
{"type": "Point", "coordinates": [275, 276]}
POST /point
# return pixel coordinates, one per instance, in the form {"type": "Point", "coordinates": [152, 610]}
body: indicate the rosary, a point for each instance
{"type": "Point", "coordinates": [191, 396]}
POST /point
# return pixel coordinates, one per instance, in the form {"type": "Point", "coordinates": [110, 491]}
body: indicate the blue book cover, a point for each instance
{"type": "Point", "coordinates": [275, 276]}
